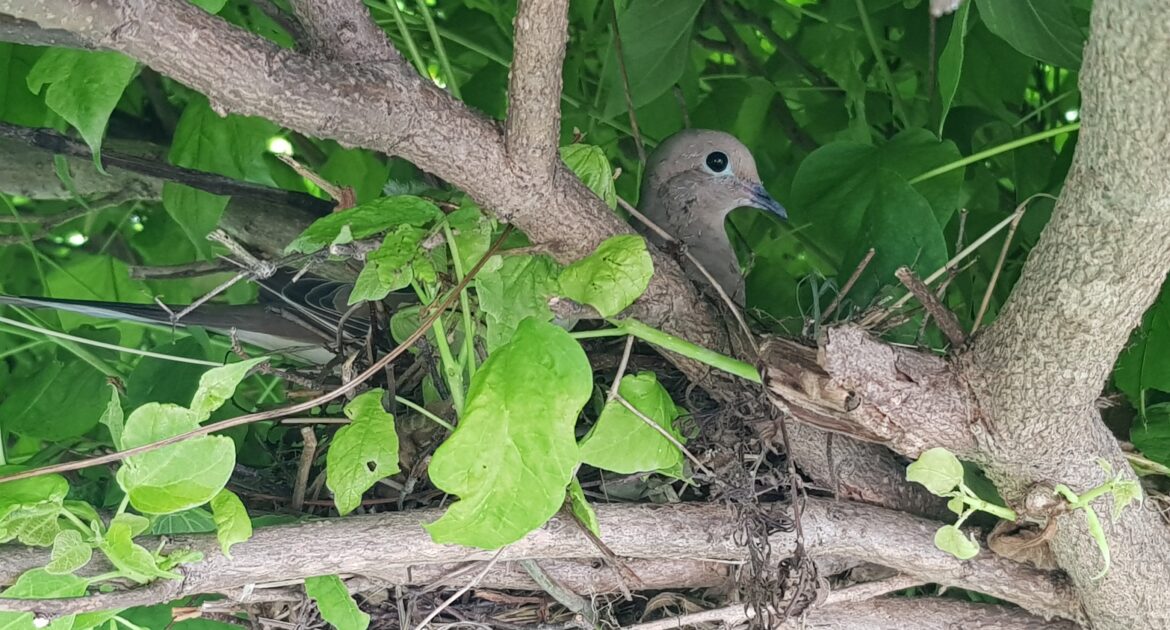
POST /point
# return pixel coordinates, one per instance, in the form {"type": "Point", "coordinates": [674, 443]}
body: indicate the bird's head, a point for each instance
{"type": "Point", "coordinates": [711, 170]}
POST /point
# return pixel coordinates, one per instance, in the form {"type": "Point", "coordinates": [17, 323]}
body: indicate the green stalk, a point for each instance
{"type": "Point", "coordinates": [452, 371]}
{"type": "Point", "coordinates": [444, 62]}
{"type": "Point", "coordinates": [424, 413]}
{"type": "Point", "coordinates": [899, 109]}
{"type": "Point", "coordinates": [601, 332]}
{"type": "Point", "coordinates": [996, 150]}
{"type": "Point", "coordinates": [464, 303]}
{"type": "Point", "coordinates": [688, 349]}
{"type": "Point", "coordinates": [411, 47]}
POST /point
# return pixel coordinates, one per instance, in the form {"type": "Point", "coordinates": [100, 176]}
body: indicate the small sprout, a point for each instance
{"type": "Point", "coordinates": [952, 540]}
{"type": "Point", "coordinates": [938, 470]}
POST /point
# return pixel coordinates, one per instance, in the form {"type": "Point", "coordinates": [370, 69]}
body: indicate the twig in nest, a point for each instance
{"type": "Point", "coordinates": [560, 592]}
{"type": "Point", "coordinates": [308, 452]}
{"type": "Point", "coordinates": [459, 593]}
{"type": "Point", "coordinates": [344, 197]}
{"type": "Point", "coordinates": [1007, 242]}
{"type": "Point", "coordinates": [848, 285]}
{"type": "Point", "coordinates": [947, 322]}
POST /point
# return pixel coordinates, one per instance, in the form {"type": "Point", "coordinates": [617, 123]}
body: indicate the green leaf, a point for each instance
{"type": "Point", "coordinates": [362, 452]}
{"type": "Point", "coordinates": [611, 278]}
{"type": "Point", "coordinates": [581, 507]}
{"type": "Point", "coordinates": [1142, 366]}
{"type": "Point", "coordinates": [950, 63]}
{"type": "Point", "coordinates": [512, 288]}
{"type": "Point", "coordinates": [899, 225]}
{"type": "Point", "coordinates": [1043, 29]}
{"type": "Point", "coordinates": [1151, 434]}
{"type": "Point", "coordinates": [591, 165]}
{"type": "Point", "coordinates": [40, 584]}
{"type": "Point", "coordinates": [84, 87]}
{"type": "Point", "coordinates": [335, 603]}
{"type": "Point", "coordinates": [176, 477]}
{"type": "Point", "coordinates": [29, 509]}
{"type": "Point", "coordinates": [361, 170]}
{"type": "Point", "coordinates": [113, 417]}
{"type": "Point", "coordinates": [232, 524]}
{"type": "Point", "coordinates": [217, 385]}
{"type": "Point", "coordinates": [192, 521]}
{"type": "Point", "coordinates": [211, 6]}
{"type": "Point", "coordinates": [514, 451]}
{"type": "Point", "coordinates": [70, 553]}
{"type": "Point", "coordinates": [196, 212]}
{"type": "Point", "coordinates": [835, 186]}
{"type": "Point", "coordinates": [389, 268]}
{"type": "Point", "coordinates": [473, 233]}
{"type": "Point", "coordinates": [134, 561]}
{"type": "Point", "coordinates": [952, 540]}
{"type": "Point", "coordinates": [656, 39]}
{"type": "Point", "coordinates": [365, 220]}
{"type": "Point", "coordinates": [622, 442]}
{"type": "Point", "coordinates": [96, 278]}
{"type": "Point", "coordinates": [55, 403]}
{"type": "Point", "coordinates": [937, 469]}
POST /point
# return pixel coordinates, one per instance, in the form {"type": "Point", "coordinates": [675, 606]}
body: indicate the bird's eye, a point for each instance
{"type": "Point", "coordinates": [717, 161]}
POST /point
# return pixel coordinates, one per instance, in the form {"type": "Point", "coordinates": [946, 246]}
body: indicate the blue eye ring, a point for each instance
{"type": "Point", "coordinates": [717, 161]}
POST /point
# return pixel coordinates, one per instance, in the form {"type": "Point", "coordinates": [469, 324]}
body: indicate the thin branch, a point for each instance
{"type": "Point", "coordinates": [947, 322]}
{"type": "Point", "coordinates": [848, 285]}
{"type": "Point", "coordinates": [459, 593]}
{"type": "Point", "coordinates": [1007, 243]}
{"type": "Point", "coordinates": [621, 64]}
{"type": "Point", "coordinates": [533, 129]}
{"type": "Point", "coordinates": [308, 453]}
{"type": "Point", "coordinates": [189, 270]}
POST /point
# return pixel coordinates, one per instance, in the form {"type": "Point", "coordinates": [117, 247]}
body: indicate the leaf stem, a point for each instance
{"type": "Point", "coordinates": [424, 413]}
{"type": "Point", "coordinates": [464, 302]}
{"type": "Point", "coordinates": [600, 332]}
{"type": "Point", "coordinates": [444, 62]}
{"type": "Point", "coordinates": [452, 370]}
{"type": "Point", "coordinates": [688, 349]}
{"type": "Point", "coordinates": [895, 98]}
{"type": "Point", "coordinates": [996, 150]}
{"type": "Point", "coordinates": [411, 47]}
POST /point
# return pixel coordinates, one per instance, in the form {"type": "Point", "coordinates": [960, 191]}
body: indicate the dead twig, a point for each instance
{"type": "Point", "coordinates": [308, 453]}
{"type": "Point", "coordinates": [947, 322]}
{"type": "Point", "coordinates": [848, 285]}
{"type": "Point", "coordinates": [621, 63]}
{"type": "Point", "coordinates": [459, 593]}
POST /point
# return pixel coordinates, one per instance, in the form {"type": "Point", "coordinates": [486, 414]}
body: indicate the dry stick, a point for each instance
{"type": "Point", "coordinates": [735, 311]}
{"type": "Point", "coordinates": [621, 60]}
{"type": "Point", "coordinates": [951, 275]}
{"type": "Point", "coordinates": [344, 197]}
{"type": "Point", "coordinates": [848, 285]}
{"type": "Point", "coordinates": [621, 369]}
{"type": "Point", "coordinates": [877, 317]}
{"type": "Point", "coordinates": [466, 587]}
{"type": "Point", "coordinates": [308, 452]}
{"type": "Point", "coordinates": [947, 322]}
{"type": "Point", "coordinates": [1007, 242]}
{"type": "Point", "coordinates": [171, 272]}
{"type": "Point", "coordinates": [272, 414]}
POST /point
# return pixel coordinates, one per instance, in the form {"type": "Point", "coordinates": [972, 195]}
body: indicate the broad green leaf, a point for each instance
{"type": "Point", "coordinates": [113, 417]}
{"type": "Point", "coordinates": [591, 165]}
{"type": "Point", "coordinates": [899, 225]}
{"type": "Point", "coordinates": [335, 603]}
{"type": "Point", "coordinates": [622, 442]}
{"type": "Point", "coordinates": [957, 505]}
{"type": "Point", "coordinates": [656, 40]}
{"type": "Point", "coordinates": [1151, 433]}
{"type": "Point", "coordinates": [952, 540]}
{"type": "Point", "coordinates": [18, 105]}
{"type": "Point", "coordinates": [97, 278]}
{"type": "Point", "coordinates": [196, 212]}
{"type": "Point", "coordinates": [611, 278]}
{"type": "Point", "coordinates": [176, 477]}
{"type": "Point", "coordinates": [70, 553]}
{"type": "Point", "coordinates": [1142, 366]}
{"type": "Point", "coordinates": [211, 6]}
{"type": "Point", "coordinates": [512, 289]}
{"type": "Point", "coordinates": [1043, 29]}
{"type": "Point", "coordinates": [937, 469]}
{"type": "Point", "coordinates": [365, 220]}
{"type": "Point", "coordinates": [217, 385]}
{"type": "Point", "coordinates": [55, 403]}
{"type": "Point", "coordinates": [581, 507]}
{"type": "Point", "coordinates": [34, 525]}
{"type": "Point", "coordinates": [40, 584]}
{"type": "Point", "coordinates": [514, 451]}
{"type": "Point", "coordinates": [133, 560]}
{"type": "Point", "coordinates": [136, 524]}
{"type": "Point", "coordinates": [232, 524]}
{"type": "Point", "coordinates": [362, 452]}
{"type": "Point", "coordinates": [83, 87]}
{"type": "Point", "coordinates": [836, 184]}
{"type": "Point", "coordinates": [389, 268]}
{"type": "Point", "coordinates": [950, 63]}
{"type": "Point", "coordinates": [31, 491]}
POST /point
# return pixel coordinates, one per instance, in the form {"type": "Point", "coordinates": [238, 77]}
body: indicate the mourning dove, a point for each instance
{"type": "Point", "coordinates": [693, 180]}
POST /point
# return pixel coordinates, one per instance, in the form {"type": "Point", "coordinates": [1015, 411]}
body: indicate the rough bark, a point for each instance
{"type": "Point", "coordinates": [391, 546]}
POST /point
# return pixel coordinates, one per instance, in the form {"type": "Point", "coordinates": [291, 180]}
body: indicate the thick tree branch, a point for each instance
{"type": "Point", "coordinates": [343, 30]}
{"type": "Point", "coordinates": [26, 32]}
{"type": "Point", "coordinates": [393, 546]}
{"type": "Point", "coordinates": [534, 86]}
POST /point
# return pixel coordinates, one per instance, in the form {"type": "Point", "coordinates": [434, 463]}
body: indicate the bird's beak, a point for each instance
{"type": "Point", "coordinates": [758, 197]}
